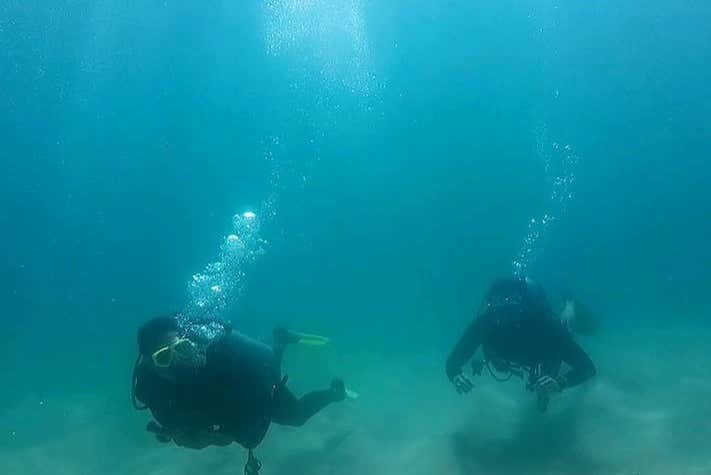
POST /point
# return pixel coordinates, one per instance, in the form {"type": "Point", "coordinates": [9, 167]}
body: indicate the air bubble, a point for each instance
{"type": "Point", "coordinates": [221, 282]}
{"type": "Point", "coordinates": [560, 164]}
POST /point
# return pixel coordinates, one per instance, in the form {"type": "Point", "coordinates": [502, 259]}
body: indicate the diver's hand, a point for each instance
{"type": "Point", "coordinates": [462, 383]}
{"type": "Point", "coordinates": [547, 386]}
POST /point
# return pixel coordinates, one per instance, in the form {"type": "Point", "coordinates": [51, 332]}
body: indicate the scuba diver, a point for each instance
{"type": "Point", "coordinates": [520, 335]}
{"type": "Point", "coordinates": [229, 391]}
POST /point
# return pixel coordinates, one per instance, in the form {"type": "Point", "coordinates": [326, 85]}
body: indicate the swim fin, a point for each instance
{"type": "Point", "coordinates": [283, 336]}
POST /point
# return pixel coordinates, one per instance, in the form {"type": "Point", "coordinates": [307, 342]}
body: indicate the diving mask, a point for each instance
{"type": "Point", "coordinates": [181, 350]}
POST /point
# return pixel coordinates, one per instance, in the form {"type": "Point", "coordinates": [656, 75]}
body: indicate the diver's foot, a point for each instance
{"type": "Point", "coordinates": [342, 392]}
{"type": "Point", "coordinates": [283, 337]}
{"type": "Point", "coordinates": [339, 389]}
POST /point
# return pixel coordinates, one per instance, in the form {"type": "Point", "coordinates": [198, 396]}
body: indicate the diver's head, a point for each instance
{"type": "Point", "coordinates": [161, 346]}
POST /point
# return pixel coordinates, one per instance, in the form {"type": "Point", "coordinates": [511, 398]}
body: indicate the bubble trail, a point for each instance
{"type": "Point", "coordinates": [221, 282]}
{"type": "Point", "coordinates": [560, 163]}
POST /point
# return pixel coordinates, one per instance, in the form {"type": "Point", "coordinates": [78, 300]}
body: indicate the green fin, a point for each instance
{"type": "Point", "coordinates": [308, 339]}
{"type": "Point", "coordinates": [352, 395]}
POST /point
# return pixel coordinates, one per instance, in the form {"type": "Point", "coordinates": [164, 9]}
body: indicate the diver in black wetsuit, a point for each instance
{"type": "Point", "coordinates": [229, 392]}
{"type": "Point", "coordinates": [520, 335]}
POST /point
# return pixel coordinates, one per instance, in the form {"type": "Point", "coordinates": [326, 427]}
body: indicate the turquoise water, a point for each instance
{"type": "Point", "coordinates": [397, 157]}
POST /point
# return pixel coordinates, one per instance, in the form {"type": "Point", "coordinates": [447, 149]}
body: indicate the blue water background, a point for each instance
{"type": "Point", "coordinates": [403, 177]}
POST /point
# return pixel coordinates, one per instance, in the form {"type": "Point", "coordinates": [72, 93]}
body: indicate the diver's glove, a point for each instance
{"type": "Point", "coordinates": [546, 387]}
{"type": "Point", "coordinates": [462, 383]}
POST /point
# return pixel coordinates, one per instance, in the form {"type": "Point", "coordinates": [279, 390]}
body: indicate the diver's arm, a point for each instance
{"type": "Point", "coordinates": [168, 425]}
{"type": "Point", "coordinates": [575, 357]}
{"type": "Point", "coordinates": [464, 349]}
{"type": "Point", "coordinates": [149, 391]}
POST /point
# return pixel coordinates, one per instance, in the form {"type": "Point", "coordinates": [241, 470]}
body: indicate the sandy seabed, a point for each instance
{"type": "Point", "coordinates": [648, 412]}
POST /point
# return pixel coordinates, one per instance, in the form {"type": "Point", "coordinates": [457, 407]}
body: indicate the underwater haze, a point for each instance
{"type": "Point", "coordinates": [360, 169]}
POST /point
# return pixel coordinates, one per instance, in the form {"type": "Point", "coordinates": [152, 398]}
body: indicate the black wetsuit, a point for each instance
{"type": "Point", "coordinates": [238, 392]}
{"type": "Point", "coordinates": [517, 330]}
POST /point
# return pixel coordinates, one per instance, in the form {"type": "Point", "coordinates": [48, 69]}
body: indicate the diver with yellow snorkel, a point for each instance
{"type": "Point", "coordinates": [230, 391]}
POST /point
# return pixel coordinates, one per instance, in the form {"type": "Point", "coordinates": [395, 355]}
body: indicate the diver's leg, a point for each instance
{"type": "Point", "coordinates": [278, 357]}
{"type": "Point", "coordinates": [292, 411]}
{"type": "Point", "coordinates": [281, 340]}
